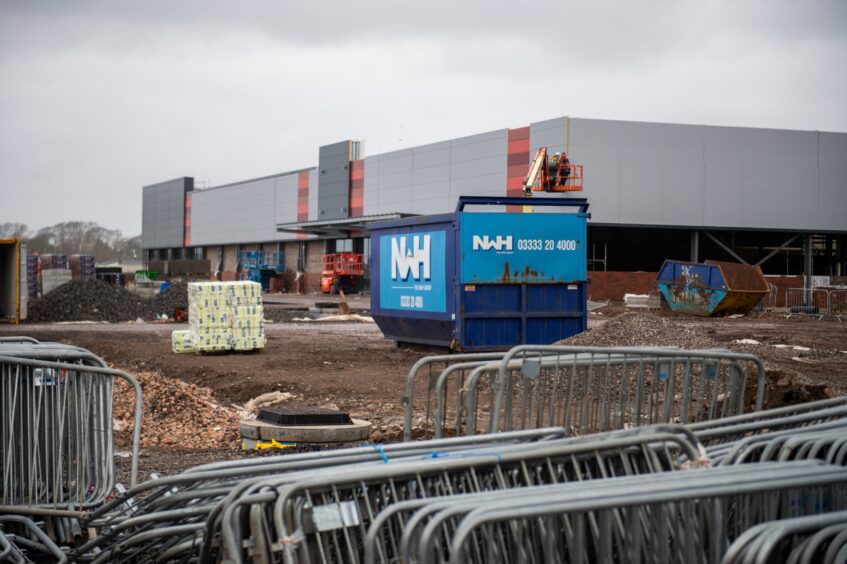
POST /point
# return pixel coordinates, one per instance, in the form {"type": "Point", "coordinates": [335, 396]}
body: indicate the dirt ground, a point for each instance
{"type": "Point", "coordinates": [351, 366]}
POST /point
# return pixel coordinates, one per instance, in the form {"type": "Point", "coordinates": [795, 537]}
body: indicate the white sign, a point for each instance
{"type": "Point", "coordinates": [406, 260]}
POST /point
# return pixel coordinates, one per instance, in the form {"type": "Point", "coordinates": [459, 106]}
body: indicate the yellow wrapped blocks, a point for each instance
{"type": "Point", "coordinates": [181, 342]}
{"type": "Point", "coordinates": [226, 316]}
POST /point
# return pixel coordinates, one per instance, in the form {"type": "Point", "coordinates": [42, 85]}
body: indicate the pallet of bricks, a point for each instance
{"type": "Point", "coordinates": [222, 316]}
{"type": "Point", "coordinates": [81, 266]}
{"type": "Point", "coordinates": [33, 278]}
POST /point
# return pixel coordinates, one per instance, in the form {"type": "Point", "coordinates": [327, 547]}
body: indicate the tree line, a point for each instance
{"type": "Point", "coordinates": [76, 237]}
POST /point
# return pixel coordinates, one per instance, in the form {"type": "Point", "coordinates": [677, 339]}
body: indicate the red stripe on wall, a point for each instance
{"type": "Point", "coordinates": [302, 199]}
{"type": "Point", "coordinates": [517, 163]}
{"type": "Point", "coordinates": [187, 226]}
{"type": "Point", "coordinates": [357, 188]}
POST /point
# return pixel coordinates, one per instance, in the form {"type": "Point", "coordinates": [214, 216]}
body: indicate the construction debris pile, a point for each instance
{"type": "Point", "coordinates": [222, 316]}
{"type": "Point", "coordinates": [176, 414]}
{"type": "Point", "coordinates": [641, 329]}
{"type": "Point", "coordinates": [96, 300]}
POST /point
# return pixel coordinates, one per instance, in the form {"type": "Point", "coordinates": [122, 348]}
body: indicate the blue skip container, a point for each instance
{"type": "Point", "coordinates": [482, 280]}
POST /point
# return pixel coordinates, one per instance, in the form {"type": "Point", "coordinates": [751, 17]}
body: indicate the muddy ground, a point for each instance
{"type": "Point", "coordinates": [351, 366]}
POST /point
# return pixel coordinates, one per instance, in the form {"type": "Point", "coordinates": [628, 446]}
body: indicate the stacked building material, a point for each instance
{"type": "Point", "coordinates": [53, 262]}
{"type": "Point", "coordinates": [181, 342]}
{"type": "Point", "coordinates": [33, 279]}
{"type": "Point", "coordinates": [82, 267]}
{"type": "Point", "coordinates": [53, 278]}
{"type": "Point", "coordinates": [225, 316]}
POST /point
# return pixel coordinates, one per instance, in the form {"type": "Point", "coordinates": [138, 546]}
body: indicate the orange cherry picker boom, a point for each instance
{"type": "Point", "coordinates": [552, 174]}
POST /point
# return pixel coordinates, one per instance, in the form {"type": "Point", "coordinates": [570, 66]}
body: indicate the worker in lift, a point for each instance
{"type": "Point", "coordinates": [564, 169]}
{"type": "Point", "coordinates": [552, 172]}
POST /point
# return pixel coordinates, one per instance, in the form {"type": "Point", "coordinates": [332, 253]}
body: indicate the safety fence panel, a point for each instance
{"type": "Point", "coordinates": [177, 508]}
{"type": "Point", "coordinates": [326, 518]}
{"type": "Point", "coordinates": [420, 384]}
{"type": "Point", "coordinates": [811, 302]}
{"type": "Point", "coordinates": [730, 430]}
{"type": "Point", "coordinates": [807, 539]}
{"type": "Point", "coordinates": [837, 306]}
{"type": "Point", "coordinates": [589, 389]}
{"type": "Point", "coordinates": [56, 443]}
{"type": "Point", "coordinates": [678, 517]}
{"type": "Point", "coordinates": [768, 301]}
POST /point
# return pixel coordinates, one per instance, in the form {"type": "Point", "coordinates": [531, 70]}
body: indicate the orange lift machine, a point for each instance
{"type": "Point", "coordinates": [553, 173]}
{"type": "Point", "coordinates": [343, 271]}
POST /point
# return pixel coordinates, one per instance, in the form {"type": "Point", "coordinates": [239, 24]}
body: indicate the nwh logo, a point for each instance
{"type": "Point", "coordinates": [485, 243]}
{"type": "Point", "coordinates": [410, 261]}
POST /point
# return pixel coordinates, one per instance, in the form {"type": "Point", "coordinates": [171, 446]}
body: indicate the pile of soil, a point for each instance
{"type": "Point", "coordinates": [175, 414]}
{"type": "Point", "coordinates": [97, 300]}
{"type": "Point", "coordinates": [167, 302]}
{"type": "Point", "coordinates": [641, 329]}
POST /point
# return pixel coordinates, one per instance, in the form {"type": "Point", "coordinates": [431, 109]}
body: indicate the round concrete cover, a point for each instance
{"type": "Point", "coordinates": [360, 430]}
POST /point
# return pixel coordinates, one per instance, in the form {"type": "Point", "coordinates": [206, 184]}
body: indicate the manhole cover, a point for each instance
{"type": "Point", "coordinates": [304, 416]}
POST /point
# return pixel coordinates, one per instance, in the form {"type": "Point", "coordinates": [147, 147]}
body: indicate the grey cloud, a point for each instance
{"type": "Point", "coordinates": [99, 98]}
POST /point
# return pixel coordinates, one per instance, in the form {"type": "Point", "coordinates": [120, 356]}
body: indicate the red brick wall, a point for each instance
{"type": "Point", "coordinates": [782, 283]}
{"type": "Point", "coordinates": [613, 285]}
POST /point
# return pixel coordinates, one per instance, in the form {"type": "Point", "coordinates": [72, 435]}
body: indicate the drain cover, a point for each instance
{"type": "Point", "coordinates": [304, 416]}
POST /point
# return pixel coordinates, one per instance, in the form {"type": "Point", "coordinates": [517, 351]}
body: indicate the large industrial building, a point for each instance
{"type": "Point", "coordinates": [657, 191]}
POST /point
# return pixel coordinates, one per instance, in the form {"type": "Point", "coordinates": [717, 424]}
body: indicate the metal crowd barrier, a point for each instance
{"type": "Point", "coordinates": [768, 301]}
{"type": "Point", "coordinates": [56, 444]}
{"type": "Point", "coordinates": [813, 302]}
{"type": "Point", "coordinates": [674, 517]}
{"type": "Point", "coordinates": [584, 389]}
{"type": "Point", "coordinates": [20, 536]}
{"type": "Point", "coordinates": [325, 518]}
{"type": "Point", "coordinates": [826, 442]}
{"type": "Point", "coordinates": [423, 374]}
{"type": "Point", "coordinates": [729, 430]}
{"type": "Point", "coordinates": [837, 305]}
{"type": "Point", "coordinates": [177, 507]}
{"type": "Point", "coordinates": [801, 540]}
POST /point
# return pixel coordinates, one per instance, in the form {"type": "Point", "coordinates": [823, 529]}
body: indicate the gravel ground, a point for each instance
{"type": "Point", "coordinates": [96, 300]}
{"type": "Point", "coordinates": [641, 329]}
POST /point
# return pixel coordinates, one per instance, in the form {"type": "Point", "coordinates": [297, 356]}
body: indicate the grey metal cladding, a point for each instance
{"type": "Point", "coordinates": [163, 213]}
{"type": "Point", "coordinates": [832, 181]}
{"type": "Point", "coordinates": [313, 194]}
{"type": "Point", "coordinates": [334, 181]}
{"type": "Point", "coordinates": [371, 189]}
{"type": "Point", "coordinates": [429, 179]}
{"type": "Point", "coordinates": [705, 176]}
{"type": "Point", "coordinates": [244, 212]}
{"type": "Point", "coordinates": [285, 203]}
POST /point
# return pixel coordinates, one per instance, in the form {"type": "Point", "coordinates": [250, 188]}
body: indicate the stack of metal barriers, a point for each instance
{"type": "Point", "coordinates": [680, 463]}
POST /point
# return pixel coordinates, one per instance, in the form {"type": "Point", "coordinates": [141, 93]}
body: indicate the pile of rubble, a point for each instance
{"type": "Point", "coordinates": [97, 300]}
{"type": "Point", "coordinates": [167, 302]}
{"type": "Point", "coordinates": [176, 414]}
{"type": "Point", "coordinates": [641, 329]}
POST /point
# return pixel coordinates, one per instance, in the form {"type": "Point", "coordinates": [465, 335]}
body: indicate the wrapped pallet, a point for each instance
{"type": "Point", "coordinates": [225, 316]}
{"type": "Point", "coordinates": [181, 342]}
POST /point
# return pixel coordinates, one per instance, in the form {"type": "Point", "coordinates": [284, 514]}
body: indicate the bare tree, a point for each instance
{"type": "Point", "coordinates": [77, 237]}
{"type": "Point", "coordinates": [10, 230]}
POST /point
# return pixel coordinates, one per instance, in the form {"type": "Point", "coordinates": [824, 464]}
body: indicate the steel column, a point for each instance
{"type": "Point", "coordinates": [695, 246]}
{"type": "Point", "coordinates": [808, 266]}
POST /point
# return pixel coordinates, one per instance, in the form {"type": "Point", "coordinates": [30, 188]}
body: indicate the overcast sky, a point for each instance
{"type": "Point", "coordinates": [98, 99]}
